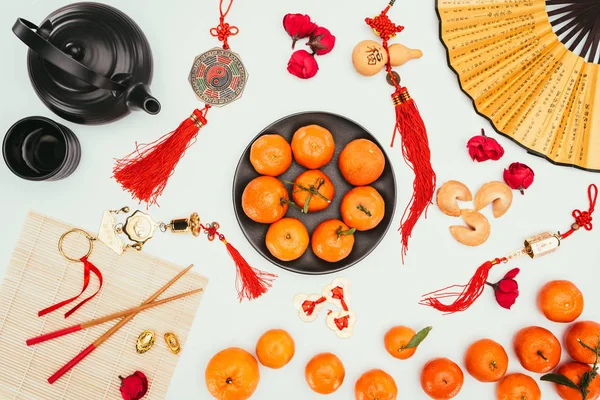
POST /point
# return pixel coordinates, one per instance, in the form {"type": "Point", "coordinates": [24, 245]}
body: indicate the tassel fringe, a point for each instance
{"type": "Point", "coordinates": [415, 149]}
{"type": "Point", "coordinates": [251, 283]}
{"type": "Point", "coordinates": [466, 297]}
{"type": "Point", "coordinates": [145, 172]}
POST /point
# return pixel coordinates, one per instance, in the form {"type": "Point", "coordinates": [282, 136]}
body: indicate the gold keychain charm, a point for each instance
{"type": "Point", "coordinates": [139, 227]}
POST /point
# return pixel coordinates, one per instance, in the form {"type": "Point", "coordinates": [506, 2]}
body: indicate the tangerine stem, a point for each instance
{"type": "Point", "coordinates": [364, 209]}
{"type": "Point", "coordinates": [539, 353]}
{"type": "Point", "coordinates": [341, 232]}
{"type": "Point", "coordinates": [291, 203]}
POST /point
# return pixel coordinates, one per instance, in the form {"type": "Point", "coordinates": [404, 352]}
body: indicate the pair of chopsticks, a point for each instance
{"type": "Point", "coordinates": [127, 314]}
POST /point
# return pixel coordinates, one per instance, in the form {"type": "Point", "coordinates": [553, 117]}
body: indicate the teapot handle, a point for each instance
{"type": "Point", "coordinates": [27, 32]}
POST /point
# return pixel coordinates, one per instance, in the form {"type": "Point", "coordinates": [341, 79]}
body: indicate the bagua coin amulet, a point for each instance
{"type": "Point", "coordinates": [218, 77]}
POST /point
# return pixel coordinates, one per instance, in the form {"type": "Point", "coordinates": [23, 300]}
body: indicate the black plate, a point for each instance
{"type": "Point", "coordinates": [343, 131]}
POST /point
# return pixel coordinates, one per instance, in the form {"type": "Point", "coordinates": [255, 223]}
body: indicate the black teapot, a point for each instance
{"type": "Point", "coordinates": [89, 63]}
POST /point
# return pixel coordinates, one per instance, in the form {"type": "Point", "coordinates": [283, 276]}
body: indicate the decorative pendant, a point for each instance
{"type": "Point", "coordinates": [139, 227]}
{"type": "Point", "coordinates": [218, 77]}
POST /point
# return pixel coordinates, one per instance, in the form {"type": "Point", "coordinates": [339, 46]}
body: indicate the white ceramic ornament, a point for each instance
{"type": "Point", "coordinates": [330, 296]}
{"type": "Point", "coordinates": [299, 301]}
{"type": "Point", "coordinates": [342, 318]}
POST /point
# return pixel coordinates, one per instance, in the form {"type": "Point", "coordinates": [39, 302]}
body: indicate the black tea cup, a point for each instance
{"type": "Point", "coordinates": [39, 149]}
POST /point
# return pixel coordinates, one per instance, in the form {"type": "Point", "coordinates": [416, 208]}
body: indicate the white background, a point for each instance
{"type": "Point", "coordinates": [384, 292]}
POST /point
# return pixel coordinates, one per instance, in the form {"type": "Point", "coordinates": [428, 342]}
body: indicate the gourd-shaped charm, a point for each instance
{"type": "Point", "coordinates": [369, 57]}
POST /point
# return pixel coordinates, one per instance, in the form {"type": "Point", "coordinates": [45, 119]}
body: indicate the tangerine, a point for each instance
{"type": "Point", "coordinates": [396, 339]}
{"type": "Point", "coordinates": [574, 371]}
{"type": "Point", "coordinates": [441, 379]}
{"type": "Point", "coordinates": [537, 348]}
{"type": "Point", "coordinates": [361, 162]}
{"type": "Point", "coordinates": [232, 374]}
{"type": "Point", "coordinates": [518, 387]}
{"type": "Point", "coordinates": [275, 348]}
{"type": "Point", "coordinates": [375, 385]}
{"type": "Point", "coordinates": [324, 373]}
{"type": "Point", "coordinates": [588, 332]}
{"type": "Point", "coordinates": [313, 146]}
{"type": "Point", "coordinates": [486, 361]}
{"type": "Point", "coordinates": [313, 190]}
{"type": "Point", "coordinates": [265, 200]}
{"type": "Point", "coordinates": [332, 240]}
{"type": "Point", "coordinates": [287, 239]}
{"type": "Point", "coordinates": [560, 301]}
{"type": "Point", "coordinates": [271, 155]}
{"type": "Point", "coordinates": [363, 208]}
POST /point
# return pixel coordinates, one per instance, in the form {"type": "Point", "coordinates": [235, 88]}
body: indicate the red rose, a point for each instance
{"type": "Point", "coordinates": [134, 387]}
{"type": "Point", "coordinates": [519, 176]}
{"type": "Point", "coordinates": [321, 41]}
{"type": "Point", "coordinates": [507, 289]}
{"type": "Point", "coordinates": [483, 148]}
{"type": "Point", "coordinates": [303, 65]}
{"type": "Point", "coordinates": [298, 26]}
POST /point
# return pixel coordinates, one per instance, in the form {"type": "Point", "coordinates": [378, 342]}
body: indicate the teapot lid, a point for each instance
{"type": "Point", "coordinates": [109, 44]}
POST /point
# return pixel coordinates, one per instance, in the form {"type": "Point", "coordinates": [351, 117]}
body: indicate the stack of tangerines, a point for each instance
{"type": "Point", "coordinates": [266, 199]}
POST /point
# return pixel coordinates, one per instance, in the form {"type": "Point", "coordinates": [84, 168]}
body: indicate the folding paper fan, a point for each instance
{"type": "Point", "coordinates": [538, 86]}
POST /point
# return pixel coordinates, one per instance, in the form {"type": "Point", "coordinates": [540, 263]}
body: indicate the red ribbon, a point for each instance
{"type": "Point", "coordinates": [309, 306]}
{"type": "Point", "coordinates": [88, 267]}
{"type": "Point", "coordinates": [342, 322]}
{"type": "Point", "coordinates": [338, 294]}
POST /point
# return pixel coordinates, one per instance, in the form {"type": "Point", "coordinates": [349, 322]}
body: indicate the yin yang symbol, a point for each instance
{"type": "Point", "coordinates": [217, 76]}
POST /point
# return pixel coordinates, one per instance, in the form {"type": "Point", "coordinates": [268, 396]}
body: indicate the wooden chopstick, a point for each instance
{"type": "Point", "coordinates": [97, 321]}
{"type": "Point", "coordinates": [98, 342]}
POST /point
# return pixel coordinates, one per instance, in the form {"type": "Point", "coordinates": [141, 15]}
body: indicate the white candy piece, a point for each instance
{"type": "Point", "coordinates": [345, 332]}
{"type": "Point", "coordinates": [345, 285]}
{"type": "Point", "coordinates": [300, 299]}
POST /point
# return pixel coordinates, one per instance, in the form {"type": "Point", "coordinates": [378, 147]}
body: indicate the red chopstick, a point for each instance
{"type": "Point", "coordinates": [97, 321]}
{"type": "Point", "coordinates": [98, 342]}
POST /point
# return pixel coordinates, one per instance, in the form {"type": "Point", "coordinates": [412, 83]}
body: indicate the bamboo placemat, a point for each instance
{"type": "Point", "coordinates": [38, 276]}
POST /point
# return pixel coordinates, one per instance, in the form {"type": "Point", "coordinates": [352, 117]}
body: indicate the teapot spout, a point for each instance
{"type": "Point", "coordinates": [139, 98]}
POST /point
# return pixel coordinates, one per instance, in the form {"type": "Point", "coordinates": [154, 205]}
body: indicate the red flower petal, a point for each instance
{"type": "Point", "coordinates": [506, 300]}
{"type": "Point", "coordinates": [508, 285]}
{"type": "Point", "coordinates": [512, 273]}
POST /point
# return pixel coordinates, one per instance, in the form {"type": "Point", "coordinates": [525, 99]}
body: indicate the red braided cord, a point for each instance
{"type": "Point", "coordinates": [583, 219]}
{"type": "Point", "coordinates": [223, 31]}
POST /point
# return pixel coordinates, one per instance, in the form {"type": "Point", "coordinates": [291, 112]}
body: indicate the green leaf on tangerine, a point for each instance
{"type": "Point", "coordinates": [560, 379]}
{"type": "Point", "coordinates": [418, 338]}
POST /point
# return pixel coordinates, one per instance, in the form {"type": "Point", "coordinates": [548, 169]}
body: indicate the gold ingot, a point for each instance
{"type": "Point", "coordinates": [144, 342]}
{"type": "Point", "coordinates": [172, 342]}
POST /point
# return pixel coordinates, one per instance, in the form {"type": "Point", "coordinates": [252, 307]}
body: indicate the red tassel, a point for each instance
{"type": "Point", "coordinates": [251, 283]}
{"type": "Point", "coordinates": [145, 172]}
{"type": "Point", "coordinates": [415, 149]}
{"type": "Point", "coordinates": [464, 299]}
